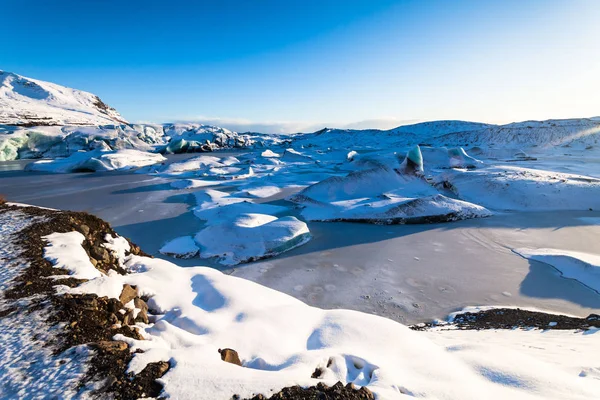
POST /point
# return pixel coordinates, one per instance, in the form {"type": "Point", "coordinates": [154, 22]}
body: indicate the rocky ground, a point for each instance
{"type": "Point", "coordinates": [509, 318]}
{"type": "Point", "coordinates": [87, 319]}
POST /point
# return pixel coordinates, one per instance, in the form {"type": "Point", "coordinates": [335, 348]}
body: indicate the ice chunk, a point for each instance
{"type": "Point", "coordinates": [93, 161]}
{"type": "Point", "coordinates": [181, 247]}
{"type": "Point", "coordinates": [250, 237]}
{"type": "Point", "coordinates": [413, 163]}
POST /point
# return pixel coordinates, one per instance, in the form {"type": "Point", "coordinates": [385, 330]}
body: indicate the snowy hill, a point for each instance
{"type": "Point", "coordinates": [580, 132]}
{"type": "Point", "coordinates": [400, 136]}
{"type": "Point", "coordinates": [31, 102]}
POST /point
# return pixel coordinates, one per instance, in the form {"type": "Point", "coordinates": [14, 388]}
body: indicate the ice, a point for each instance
{"type": "Point", "coordinates": [94, 161]}
{"type": "Point", "coordinates": [383, 195]}
{"type": "Point", "coordinates": [249, 237]}
{"type": "Point", "coordinates": [215, 206]}
{"type": "Point", "coordinates": [181, 247]}
{"type": "Point", "coordinates": [582, 267]}
{"type": "Point", "coordinates": [442, 157]}
{"type": "Point", "coordinates": [506, 187]}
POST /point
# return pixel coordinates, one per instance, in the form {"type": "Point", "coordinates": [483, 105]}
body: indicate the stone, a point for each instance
{"type": "Point", "coordinates": [84, 229]}
{"type": "Point", "coordinates": [128, 293]}
{"type": "Point", "coordinates": [111, 346]}
{"type": "Point", "coordinates": [128, 317]}
{"type": "Point", "coordinates": [230, 356]}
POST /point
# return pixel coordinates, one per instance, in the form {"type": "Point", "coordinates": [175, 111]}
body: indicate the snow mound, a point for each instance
{"type": "Point", "coordinates": [515, 188]}
{"type": "Point", "coordinates": [215, 206]}
{"type": "Point", "coordinates": [95, 161]}
{"type": "Point", "coordinates": [250, 237]}
{"type": "Point", "coordinates": [294, 156]}
{"type": "Point", "coordinates": [181, 247]}
{"type": "Point", "coordinates": [442, 157]}
{"type": "Point", "coordinates": [582, 267]}
{"type": "Point", "coordinates": [26, 101]}
{"type": "Point", "coordinates": [381, 195]}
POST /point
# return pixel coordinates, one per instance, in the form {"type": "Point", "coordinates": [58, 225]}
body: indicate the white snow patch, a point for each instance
{"type": "Point", "coordinates": [65, 251]}
{"type": "Point", "coordinates": [181, 247]}
{"type": "Point", "coordinates": [583, 267]}
{"type": "Point", "coordinates": [251, 236]}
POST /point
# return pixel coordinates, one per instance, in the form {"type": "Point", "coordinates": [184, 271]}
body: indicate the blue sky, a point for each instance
{"type": "Point", "coordinates": [299, 65]}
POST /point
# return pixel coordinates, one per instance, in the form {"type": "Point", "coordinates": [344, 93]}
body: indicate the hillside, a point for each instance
{"type": "Point", "coordinates": [31, 102]}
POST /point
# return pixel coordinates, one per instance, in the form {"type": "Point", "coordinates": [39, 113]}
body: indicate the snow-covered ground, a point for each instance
{"type": "Point", "coordinates": [281, 341]}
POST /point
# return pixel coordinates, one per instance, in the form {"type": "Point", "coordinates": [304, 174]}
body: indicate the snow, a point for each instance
{"type": "Point", "coordinates": [28, 366]}
{"type": "Point", "coordinates": [181, 247]}
{"type": "Point", "coordinates": [381, 195]}
{"type": "Point", "coordinates": [582, 267]}
{"type": "Point", "coordinates": [192, 183]}
{"type": "Point", "coordinates": [65, 251]}
{"type": "Point", "coordinates": [505, 187]}
{"type": "Point", "coordinates": [25, 100]}
{"type": "Point", "coordinates": [442, 157]}
{"type": "Point", "coordinates": [247, 237]}
{"type": "Point", "coordinates": [94, 161]}
{"type": "Point", "coordinates": [281, 341]}
{"type": "Point", "coordinates": [215, 206]}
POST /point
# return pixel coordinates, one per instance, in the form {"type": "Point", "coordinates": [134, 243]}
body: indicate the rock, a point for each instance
{"type": "Point", "coordinates": [128, 317]}
{"type": "Point", "coordinates": [114, 305]}
{"type": "Point", "coordinates": [317, 373]}
{"type": "Point", "coordinates": [141, 304]}
{"type": "Point", "coordinates": [101, 254]}
{"type": "Point", "coordinates": [230, 356]}
{"type": "Point", "coordinates": [128, 293]}
{"type": "Point", "coordinates": [142, 316]}
{"type": "Point", "coordinates": [111, 346]}
{"type": "Point", "coordinates": [84, 229]}
{"type": "Point", "coordinates": [94, 261]}
{"type": "Point", "coordinates": [163, 367]}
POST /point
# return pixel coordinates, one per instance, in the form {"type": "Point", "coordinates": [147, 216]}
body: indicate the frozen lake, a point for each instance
{"type": "Point", "coordinates": [410, 273]}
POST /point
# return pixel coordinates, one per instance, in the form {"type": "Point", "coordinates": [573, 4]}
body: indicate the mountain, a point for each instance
{"type": "Point", "coordinates": [31, 102]}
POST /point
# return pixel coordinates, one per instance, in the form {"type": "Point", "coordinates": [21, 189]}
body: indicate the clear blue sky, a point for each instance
{"type": "Point", "coordinates": [295, 65]}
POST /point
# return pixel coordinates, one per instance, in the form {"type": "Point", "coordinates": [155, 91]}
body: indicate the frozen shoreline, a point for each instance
{"type": "Point", "coordinates": [368, 268]}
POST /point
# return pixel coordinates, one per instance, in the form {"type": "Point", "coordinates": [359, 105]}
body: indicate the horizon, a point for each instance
{"type": "Point", "coordinates": [292, 67]}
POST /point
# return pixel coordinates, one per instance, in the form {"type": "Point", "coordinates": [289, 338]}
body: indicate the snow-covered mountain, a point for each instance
{"type": "Point", "coordinates": [31, 102]}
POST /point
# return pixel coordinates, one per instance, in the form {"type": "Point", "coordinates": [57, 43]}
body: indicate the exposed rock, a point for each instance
{"type": "Point", "coordinates": [321, 392]}
{"type": "Point", "coordinates": [110, 346]}
{"type": "Point", "coordinates": [230, 356]}
{"type": "Point", "coordinates": [128, 293]}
